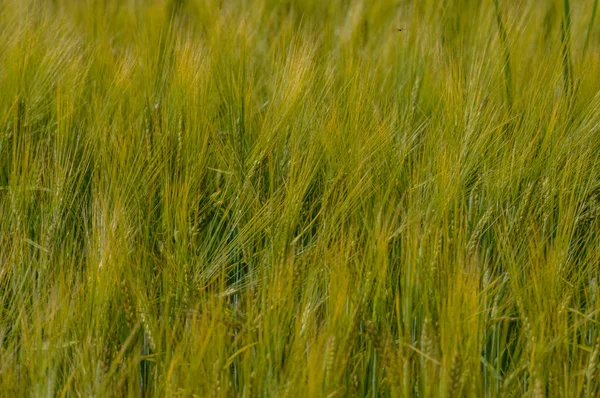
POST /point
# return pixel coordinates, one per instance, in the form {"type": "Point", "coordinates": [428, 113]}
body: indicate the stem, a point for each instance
{"type": "Point", "coordinates": [589, 29]}
{"type": "Point", "coordinates": [566, 48]}
{"type": "Point", "coordinates": [503, 39]}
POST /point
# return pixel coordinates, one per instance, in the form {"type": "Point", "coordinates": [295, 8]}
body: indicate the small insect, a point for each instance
{"type": "Point", "coordinates": [400, 30]}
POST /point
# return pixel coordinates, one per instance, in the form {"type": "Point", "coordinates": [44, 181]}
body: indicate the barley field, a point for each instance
{"type": "Point", "coordinates": [299, 198]}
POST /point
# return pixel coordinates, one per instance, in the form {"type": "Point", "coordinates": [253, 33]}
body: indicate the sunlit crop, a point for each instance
{"type": "Point", "coordinates": [301, 198]}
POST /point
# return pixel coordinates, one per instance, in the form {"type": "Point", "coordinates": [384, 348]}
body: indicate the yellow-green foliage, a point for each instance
{"type": "Point", "coordinates": [294, 198]}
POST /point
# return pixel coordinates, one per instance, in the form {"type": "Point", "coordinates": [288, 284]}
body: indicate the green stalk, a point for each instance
{"type": "Point", "coordinates": [566, 48]}
{"type": "Point", "coordinates": [589, 29]}
{"type": "Point", "coordinates": [506, 51]}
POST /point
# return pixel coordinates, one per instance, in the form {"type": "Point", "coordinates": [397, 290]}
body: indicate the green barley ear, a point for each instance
{"type": "Point", "coordinates": [330, 354]}
{"type": "Point", "coordinates": [128, 307]}
{"type": "Point", "coordinates": [216, 381]}
{"type": "Point", "coordinates": [478, 232]}
{"type": "Point", "coordinates": [538, 389]}
{"type": "Point", "coordinates": [554, 387]}
{"type": "Point", "coordinates": [592, 371]}
{"type": "Point", "coordinates": [455, 375]}
{"type": "Point", "coordinates": [142, 310]}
